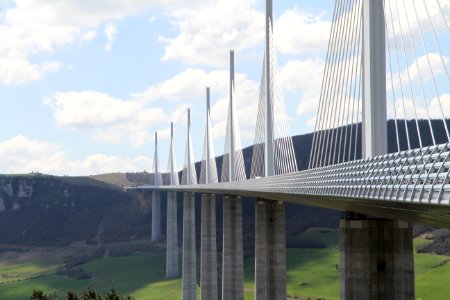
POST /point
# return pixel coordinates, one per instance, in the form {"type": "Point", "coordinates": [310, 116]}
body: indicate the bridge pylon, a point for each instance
{"type": "Point", "coordinates": [156, 197]}
{"type": "Point", "coordinates": [376, 254]}
{"type": "Point", "coordinates": [189, 177]}
{"type": "Point", "coordinates": [208, 243]}
{"type": "Point", "coordinates": [273, 154]}
{"type": "Point", "coordinates": [172, 268]}
{"type": "Point", "coordinates": [232, 170]}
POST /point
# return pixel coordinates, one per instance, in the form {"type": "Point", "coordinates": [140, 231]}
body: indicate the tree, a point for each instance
{"type": "Point", "coordinates": [39, 295]}
{"type": "Point", "coordinates": [88, 294]}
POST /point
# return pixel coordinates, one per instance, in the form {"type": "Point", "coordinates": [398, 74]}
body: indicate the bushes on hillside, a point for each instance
{"type": "Point", "coordinates": [89, 294]}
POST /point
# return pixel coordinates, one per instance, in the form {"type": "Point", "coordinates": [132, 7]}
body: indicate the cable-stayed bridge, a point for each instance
{"type": "Point", "coordinates": [385, 59]}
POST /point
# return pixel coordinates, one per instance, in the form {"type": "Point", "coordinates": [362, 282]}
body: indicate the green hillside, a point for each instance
{"type": "Point", "coordinates": [310, 273]}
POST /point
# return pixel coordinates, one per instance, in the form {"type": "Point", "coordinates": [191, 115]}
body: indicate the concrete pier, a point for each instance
{"type": "Point", "coordinates": [172, 237]}
{"type": "Point", "coordinates": [232, 259]}
{"type": "Point", "coordinates": [189, 281]}
{"type": "Point", "coordinates": [208, 254]}
{"type": "Point", "coordinates": [270, 250]}
{"type": "Point", "coordinates": [156, 216]}
{"type": "Point", "coordinates": [377, 259]}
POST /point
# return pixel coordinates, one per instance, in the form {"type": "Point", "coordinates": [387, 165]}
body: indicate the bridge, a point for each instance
{"type": "Point", "coordinates": [379, 56]}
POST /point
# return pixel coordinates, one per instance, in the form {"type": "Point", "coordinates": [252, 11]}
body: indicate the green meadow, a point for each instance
{"type": "Point", "coordinates": [310, 273]}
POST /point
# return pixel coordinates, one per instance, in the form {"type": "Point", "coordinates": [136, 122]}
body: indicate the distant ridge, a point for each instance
{"type": "Point", "coordinates": [302, 146]}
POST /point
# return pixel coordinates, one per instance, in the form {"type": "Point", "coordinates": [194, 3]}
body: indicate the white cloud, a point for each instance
{"type": "Point", "coordinates": [304, 77]}
{"type": "Point", "coordinates": [111, 120]}
{"type": "Point", "coordinates": [21, 147]}
{"type": "Point", "coordinates": [110, 32]}
{"type": "Point", "coordinates": [415, 17]}
{"type": "Point", "coordinates": [178, 114]}
{"type": "Point", "coordinates": [28, 27]}
{"type": "Point", "coordinates": [420, 70]}
{"type": "Point", "coordinates": [189, 87]}
{"type": "Point", "coordinates": [186, 86]}
{"type": "Point", "coordinates": [246, 100]}
{"type": "Point", "coordinates": [24, 155]}
{"type": "Point", "coordinates": [164, 134]}
{"type": "Point", "coordinates": [103, 117]}
{"type": "Point", "coordinates": [434, 108]}
{"type": "Point", "coordinates": [101, 163]}
{"type": "Point", "coordinates": [89, 35]}
{"type": "Point", "coordinates": [20, 71]}
{"type": "Point", "coordinates": [204, 33]}
{"type": "Point", "coordinates": [310, 35]}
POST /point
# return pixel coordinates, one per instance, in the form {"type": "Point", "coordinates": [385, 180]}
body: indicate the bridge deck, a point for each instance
{"type": "Point", "coordinates": [411, 185]}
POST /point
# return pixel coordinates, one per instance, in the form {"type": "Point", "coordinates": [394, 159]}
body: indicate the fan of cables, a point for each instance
{"type": "Point", "coordinates": [284, 156]}
{"type": "Point", "coordinates": [417, 80]}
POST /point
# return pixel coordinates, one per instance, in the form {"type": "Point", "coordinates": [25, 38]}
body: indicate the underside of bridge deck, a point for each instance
{"type": "Point", "coordinates": [414, 212]}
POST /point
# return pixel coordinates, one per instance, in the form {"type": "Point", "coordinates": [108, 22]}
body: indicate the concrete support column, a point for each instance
{"type": "Point", "coordinates": [189, 280]}
{"type": "Point", "coordinates": [377, 259]}
{"type": "Point", "coordinates": [208, 275]}
{"type": "Point", "coordinates": [172, 237]}
{"type": "Point", "coordinates": [156, 216]}
{"type": "Point", "coordinates": [233, 256]}
{"type": "Point", "coordinates": [270, 250]}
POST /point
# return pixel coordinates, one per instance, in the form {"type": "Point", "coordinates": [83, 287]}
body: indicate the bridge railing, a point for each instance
{"type": "Point", "coordinates": [415, 176]}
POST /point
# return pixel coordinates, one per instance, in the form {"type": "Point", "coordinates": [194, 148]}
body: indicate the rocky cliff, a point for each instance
{"type": "Point", "coordinates": [39, 209]}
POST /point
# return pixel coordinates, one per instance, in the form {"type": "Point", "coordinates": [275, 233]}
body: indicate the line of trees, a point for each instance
{"type": "Point", "coordinates": [89, 294]}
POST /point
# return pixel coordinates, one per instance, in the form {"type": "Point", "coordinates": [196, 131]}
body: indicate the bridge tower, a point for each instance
{"type": "Point", "coordinates": [156, 197]}
{"type": "Point", "coordinates": [232, 170]}
{"type": "Point", "coordinates": [376, 254]}
{"type": "Point", "coordinates": [270, 232]}
{"type": "Point", "coordinates": [189, 280]}
{"type": "Point", "coordinates": [208, 252]}
{"type": "Point", "coordinates": [172, 222]}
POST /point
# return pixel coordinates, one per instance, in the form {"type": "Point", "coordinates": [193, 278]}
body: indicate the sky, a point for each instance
{"type": "Point", "coordinates": [85, 84]}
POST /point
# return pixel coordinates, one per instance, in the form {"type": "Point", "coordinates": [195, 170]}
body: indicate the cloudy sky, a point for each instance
{"type": "Point", "coordinates": [85, 84]}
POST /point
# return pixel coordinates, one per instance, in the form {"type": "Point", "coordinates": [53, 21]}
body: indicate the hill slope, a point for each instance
{"type": "Point", "coordinates": [48, 210]}
{"type": "Point", "coordinates": [311, 274]}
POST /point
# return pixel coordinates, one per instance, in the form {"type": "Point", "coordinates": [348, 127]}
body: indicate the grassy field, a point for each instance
{"type": "Point", "coordinates": [310, 273]}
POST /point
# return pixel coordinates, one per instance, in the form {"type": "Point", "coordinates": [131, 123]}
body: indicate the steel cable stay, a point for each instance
{"type": "Point", "coordinates": [329, 79]}
{"type": "Point", "coordinates": [397, 137]}
{"type": "Point", "coordinates": [409, 75]}
{"type": "Point", "coordinates": [320, 108]}
{"type": "Point", "coordinates": [416, 59]}
{"type": "Point", "coordinates": [336, 87]}
{"type": "Point", "coordinates": [342, 84]}
{"type": "Point", "coordinates": [424, 44]}
{"type": "Point", "coordinates": [349, 81]}
{"type": "Point", "coordinates": [330, 85]}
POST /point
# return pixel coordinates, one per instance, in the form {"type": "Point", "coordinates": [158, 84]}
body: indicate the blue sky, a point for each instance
{"type": "Point", "coordinates": [85, 84]}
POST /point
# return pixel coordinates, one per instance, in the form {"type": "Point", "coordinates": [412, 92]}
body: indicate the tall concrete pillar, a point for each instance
{"type": "Point", "coordinates": [172, 237]}
{"type": "Point", "coordinates": [189, 281]}
{"type": "Point", "coordinates": [233, 256]}
{"type": "Point", "coordinates": [376, 259]}
{"type": "Point", "coordinates": [208, 256]}
{"type": "Point", "coordinates": [156, 216]}
{"type": "Point", "coordinates": [270, 250]}
{"type": "Point", "coordinates": [376, 254]}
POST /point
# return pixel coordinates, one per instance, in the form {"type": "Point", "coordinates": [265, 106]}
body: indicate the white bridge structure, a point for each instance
{"type": "Point", "coordinates": [385, 59]}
